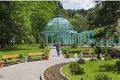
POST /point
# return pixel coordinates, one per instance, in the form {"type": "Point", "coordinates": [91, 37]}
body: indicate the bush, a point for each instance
{"type": "Point", "coordinates": [96, 50]}
{"type": "Point", "coordinates": [81, 61]}
{"type": "Point", "coordinates": [92, 45]}
{"type": "Point", "coordinates": [117, 54]}
{"type": "Point", "coordinates": [76, 69]}
{"type": "Point", "coordinates": [42, 44]}
{"type": "Point", "coordinates": [0, 55]}
{"type": "Point", "coordinates": [102, 77]}
{"type": "Point", "coordinates": [93, 60]}
{"type": "Point", "coordinates": [46, 51]}
{"type": "Point", "coordinates": [105, 50]}
{"type": "Point", "coordinates": [13, 61]}
{"type": "Point", "coordinates": [74, 45]}
{"type": "Point", "coordinates": [35, 58]}
{"type": "Point", "coordinates": [21, 55]}
{"type": "Point", "coordinates": [118, 65]}
{"type": "Point", "coordinates": [66, 51]}
{"type": "Point", "coordinates": [108, 58]}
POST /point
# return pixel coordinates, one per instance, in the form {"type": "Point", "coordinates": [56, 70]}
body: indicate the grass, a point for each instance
{"type": "Point", "coordinates": [94, 67]}
{"type": "Point", "coordinates": [85, 48]}
{"type": "Point", "coordinates": [78, 49]}
{"type": "Point", "coordinates": [84, 55]}
{"type": "Point", "coordinates": [20, 48]}
{"type": "Point", "coordinates": [81, 49]}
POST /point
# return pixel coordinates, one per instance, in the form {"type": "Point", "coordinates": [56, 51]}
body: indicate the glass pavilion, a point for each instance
{"type": "Point", "coordinates": [59, 30]}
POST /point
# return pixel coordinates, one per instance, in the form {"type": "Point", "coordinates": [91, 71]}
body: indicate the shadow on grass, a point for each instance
{"type": "Point", "coordinates": [109, 68]}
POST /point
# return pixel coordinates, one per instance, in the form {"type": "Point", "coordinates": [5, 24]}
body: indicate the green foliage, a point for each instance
{"type": "Point", "coordinates": [78, 21]}
{"type": "Point", "coordinates": [95, 67]}
{"type": "Point", "coordinates": [12, 61]}
{"type": "Point", "coordinates": [21, 55]}
{"type": "Point", "coordinates": [91, 15]}
{"type": "Point", "coordinates": [75, 68]}
{"type": "Point", "coordinates": [8, 29]}
{"type": "Point", "coordinates": [0, 55]}
{"type": "Point", "coordinates": [93, 59]}
{"type": "Point", "coordinates": [105, 15]}
{"type": "Point", "coordinates": [74, 45]}
{"type": "Point", "coordinates": [105, 50]}
{"type": "Point", "coordinates": [34, 58]}
{"type": "Point", "coordinates": [21, 21]}
{"type": "Point", "coordinates": [81, 61]}
{"type": "Point", "coordinates": [42, 44]}
{"type": "Point", "coordinates": [66, 52]}
{"type": "Point", "coordinates": [118, 65]}
{"type": "Point", "coordinates": [42, 14]}
{"type": "Point", "coordinates": [26, 49]}
{"type": "Point", "coordinates": [92, 44]}
{"type": "Point", "coordinates": [96, 50]}
{"type": "Point", "coordinates": [102, 77]}
{"type": "Point", "coordinates": [46, 50]}
{"type": "Point", "coordinates": [108, 58]}
{"type": "Point", "coordinates": [117, 53]}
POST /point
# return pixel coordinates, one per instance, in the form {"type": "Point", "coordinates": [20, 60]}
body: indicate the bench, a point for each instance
{"type": "Point", "coordinates": [35, 56]}
{"type": "Point", "coordinates": [1, 64]}
{"type": "Point", "coordinates": [87, 52]}
{"type": "Point", "coordinates": [10, 59]}
{"type": "Point", "coordinates": [91, 54]}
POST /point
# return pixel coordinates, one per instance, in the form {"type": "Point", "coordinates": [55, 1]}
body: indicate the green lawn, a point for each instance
{"type": "Point", "coordinates": [78, 49]}
{"type": "Point", "coordinates": [94, 67]}
{"type": "Point", "coordinates": [81, 49]}
{"type": "Point", "coordinates": [85, 48]}
{"type": "Point", "coordinates": [84, 55]}
{"type": "Point", "coordinates": [20, 48]}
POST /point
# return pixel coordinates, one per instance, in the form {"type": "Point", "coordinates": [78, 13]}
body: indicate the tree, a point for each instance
{"type": "Point", "coordinates": [79, 22]}
{"type": "Point", "coordinates": [24, 21]}
{"type": "Point", "coordinates": [8, 29]}
{"type": "Point", "coordinates": [106, 14]}
{"type": "Point", "coordinates": [21, 13]}
{"type": "Point", "coordinates": [40, 16]}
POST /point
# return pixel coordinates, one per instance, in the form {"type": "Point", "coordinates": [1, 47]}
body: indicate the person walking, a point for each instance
{"type": "Point", "coordinates": [58, 49]}
{"type": "Point", "coordinates": [113, 51]}
{"type": "Point", "coordinates": [99, 53]}
{"type": "Point", "coordinates": [75, 56]}
{"type": "Point", "coordinates": [90, 53]}
{"type": "Point", "coordinates": [81, 54]}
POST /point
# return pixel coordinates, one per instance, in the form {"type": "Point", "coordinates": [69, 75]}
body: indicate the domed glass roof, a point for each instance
{"type": "Point", "coordinates": [57, 24]}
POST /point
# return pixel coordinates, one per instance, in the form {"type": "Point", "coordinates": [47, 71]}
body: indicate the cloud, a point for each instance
{"type": "Point", "coordinates": [78, 4]}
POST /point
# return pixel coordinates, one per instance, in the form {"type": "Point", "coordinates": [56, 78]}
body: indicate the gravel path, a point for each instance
{"type": "Point", "coordinates": [32, 70]}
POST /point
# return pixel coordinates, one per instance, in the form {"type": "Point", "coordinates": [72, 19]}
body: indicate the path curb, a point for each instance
{"type": "Point", "coordinates": [62, 72]}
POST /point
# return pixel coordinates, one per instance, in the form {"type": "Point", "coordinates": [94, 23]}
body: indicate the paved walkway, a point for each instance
{"type": "Point", "coordinates": [31, 70]}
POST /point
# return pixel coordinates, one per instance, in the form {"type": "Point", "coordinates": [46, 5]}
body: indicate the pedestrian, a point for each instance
{"type": "Point", "coordinates": [99, 53]}
{"type": "Point", "coordinates": [81, 54]}
{"type": "Point", "coordinates": [90, 53]}
{"type": "Point", "coordinates": [113, 51]}
{"type": "Point", "coordinates": [75, 55]}
{"type": "Point", "coordinates": [58, 49]}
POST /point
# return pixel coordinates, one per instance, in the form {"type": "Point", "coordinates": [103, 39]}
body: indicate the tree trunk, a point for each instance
{"type": "Point", "coordinates": [2, 43]}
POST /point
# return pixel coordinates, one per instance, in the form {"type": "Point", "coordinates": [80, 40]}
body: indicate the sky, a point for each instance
{"type": "Point", "coordinates": [77, 4]}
